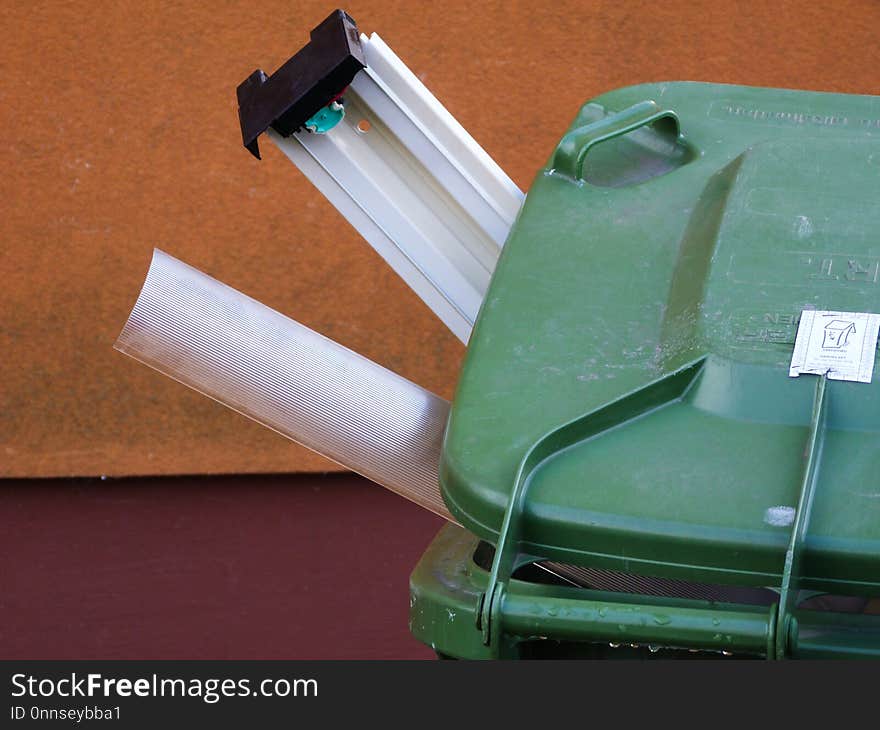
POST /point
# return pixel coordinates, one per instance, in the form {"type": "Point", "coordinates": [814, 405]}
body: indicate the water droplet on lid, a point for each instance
{"type": "Point", "coordinates": [779, 516]}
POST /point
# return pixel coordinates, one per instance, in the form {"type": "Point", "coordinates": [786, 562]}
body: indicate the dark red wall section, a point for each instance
{"type": "Point", "coordinates": [286, 567]}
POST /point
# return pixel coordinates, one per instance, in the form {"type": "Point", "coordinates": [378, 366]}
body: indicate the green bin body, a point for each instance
{"type": "Point", "coordinates": [625, 413]}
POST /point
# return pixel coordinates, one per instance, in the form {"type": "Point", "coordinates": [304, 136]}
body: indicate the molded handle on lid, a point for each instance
{"type": "Point", "coordinates": [572, 149]}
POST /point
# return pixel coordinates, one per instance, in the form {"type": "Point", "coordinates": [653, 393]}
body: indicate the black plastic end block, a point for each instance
{"type": "Point", "coordinates": [310, 80]}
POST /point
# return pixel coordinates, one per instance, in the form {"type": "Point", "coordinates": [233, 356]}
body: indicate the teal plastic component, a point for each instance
{"type": "Point", "coordinates": [325, 119]}
{"type": "Point", "coordinates": [625, 402]}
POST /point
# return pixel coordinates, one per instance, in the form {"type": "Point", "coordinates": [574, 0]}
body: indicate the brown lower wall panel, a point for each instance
{"type": "Point", "coordinates": [259, 567]}
{"type": "Point", "coordinates": [120, 134]}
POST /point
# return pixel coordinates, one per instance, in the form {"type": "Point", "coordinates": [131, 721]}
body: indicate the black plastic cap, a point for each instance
{"type": "Point", "coordinates": [310, 80]}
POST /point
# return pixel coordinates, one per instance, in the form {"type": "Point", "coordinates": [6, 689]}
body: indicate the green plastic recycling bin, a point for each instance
{"type": "Point", "coordinates": [625, 413]}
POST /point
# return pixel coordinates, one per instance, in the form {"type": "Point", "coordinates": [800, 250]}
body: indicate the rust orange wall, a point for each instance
{"type": "Point", "coordinates": [120, 134]}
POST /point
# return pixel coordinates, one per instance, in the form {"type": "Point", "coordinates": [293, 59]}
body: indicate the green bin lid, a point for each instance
{"type": "Point", "coordinates": [652, 298]}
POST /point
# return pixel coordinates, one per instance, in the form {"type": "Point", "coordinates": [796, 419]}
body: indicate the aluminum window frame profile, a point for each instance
{"type": "Point", "coordinates": [409, 178]}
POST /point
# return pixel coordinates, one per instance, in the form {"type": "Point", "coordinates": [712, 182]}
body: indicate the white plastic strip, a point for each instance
{"type": "Point", "coordinates": [283, 375]}
{"type": "Point", "coordinates": [414, 184]}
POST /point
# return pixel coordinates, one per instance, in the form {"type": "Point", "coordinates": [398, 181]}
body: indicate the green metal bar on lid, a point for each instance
{"type": "Point", "coordinates": [786, 623]}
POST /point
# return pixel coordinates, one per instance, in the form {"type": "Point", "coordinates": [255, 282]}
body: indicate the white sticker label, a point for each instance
{"type": "Point", "coordinates": [841, 344]}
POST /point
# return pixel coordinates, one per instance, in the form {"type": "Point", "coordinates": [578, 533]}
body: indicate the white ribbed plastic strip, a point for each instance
{"type": "Point", "coordinates": [286, 376]}
{"type": "Point", "coordinates": [414, 184]}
